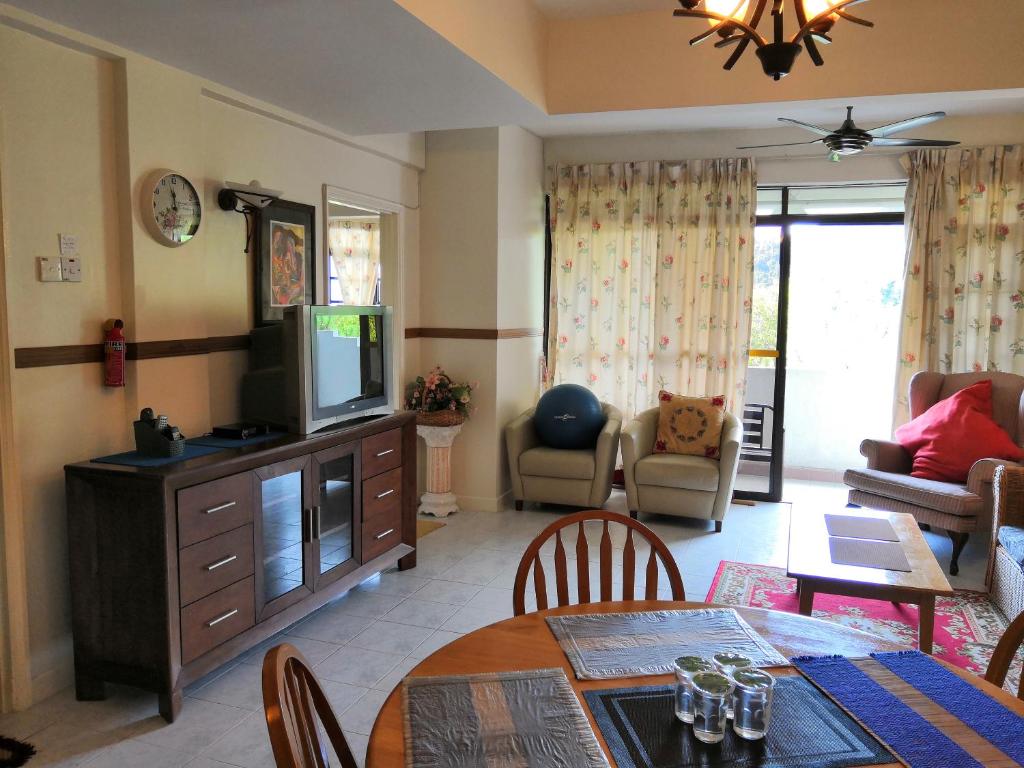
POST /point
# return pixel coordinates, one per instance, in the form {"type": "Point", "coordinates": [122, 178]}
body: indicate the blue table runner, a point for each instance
{"type": "Point", "coordinates": [994, 722]}
{"type": "Point", "coordinates": [913, 738]}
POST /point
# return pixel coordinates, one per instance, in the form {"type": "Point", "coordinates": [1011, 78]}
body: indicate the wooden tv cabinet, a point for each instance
{"type": "Point", "coordinates": [180, 568]}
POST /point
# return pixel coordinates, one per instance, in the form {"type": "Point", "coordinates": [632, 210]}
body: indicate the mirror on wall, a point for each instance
{"type": "Point", "coordinates": [353, 254]}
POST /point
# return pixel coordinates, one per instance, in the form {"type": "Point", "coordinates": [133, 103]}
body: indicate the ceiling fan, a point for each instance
{"type": "Point", "coordinates": [848, 139]}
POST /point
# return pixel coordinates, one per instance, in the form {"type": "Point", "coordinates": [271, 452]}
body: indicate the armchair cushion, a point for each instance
{"type": "Point", "coordinates": [948, 438]}
{"type": "Point", "coordinates": [1012, 540]}
{"type": "Point", "coordinates": [556, 462]}
{"type": "Point", "coordinates": [669, 470]}
{"type": "Point", "coordinates": [951, 498]}
{"type": "Point", "coordinates": [691, 426]}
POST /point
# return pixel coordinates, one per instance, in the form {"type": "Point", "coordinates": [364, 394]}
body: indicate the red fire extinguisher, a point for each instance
{"type": "Point", "coordinates": [113, 353]}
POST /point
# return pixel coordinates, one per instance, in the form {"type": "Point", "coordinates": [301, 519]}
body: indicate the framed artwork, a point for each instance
{"type": "Point", "coordinates": [286, 259]}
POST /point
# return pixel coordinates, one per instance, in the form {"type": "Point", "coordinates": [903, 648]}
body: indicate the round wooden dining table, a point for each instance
{"type": "Point", "coordinates": [526, 642]}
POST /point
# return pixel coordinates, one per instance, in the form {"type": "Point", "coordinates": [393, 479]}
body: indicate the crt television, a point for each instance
{"type": "Point", "coordinates": [318, 367]}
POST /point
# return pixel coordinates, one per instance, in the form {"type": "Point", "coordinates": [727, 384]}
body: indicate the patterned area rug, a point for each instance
{"type": "Point", "coordinates": [967, 625]}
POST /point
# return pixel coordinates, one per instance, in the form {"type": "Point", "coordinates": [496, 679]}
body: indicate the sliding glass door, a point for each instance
{"type": "Point", "coordinates": [828, 278]}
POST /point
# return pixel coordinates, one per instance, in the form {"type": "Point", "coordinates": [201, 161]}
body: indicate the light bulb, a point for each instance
{"type": "Point", "coordinates": [813, 7]}
{"type": "Point", "coordinates": [737, 9]}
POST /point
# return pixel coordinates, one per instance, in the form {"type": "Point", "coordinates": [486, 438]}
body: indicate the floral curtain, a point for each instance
{"type": "Point", "coordinates": [652, 277]}
{"type": "Point", "coordinates": [355, 252]}
{"type": "Point", "coordinates": [963, 300]}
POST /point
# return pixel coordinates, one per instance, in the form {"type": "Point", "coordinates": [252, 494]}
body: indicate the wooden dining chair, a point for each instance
{"type": "Point", "coordinates": [531, 560]}
{"type": "Point", "coordinates": [296, 709]}
{"type": "Point", "coordinates": [1004, 654]}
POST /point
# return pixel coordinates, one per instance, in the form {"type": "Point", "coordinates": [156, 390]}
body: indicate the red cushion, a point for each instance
{"type": "Point", "coordinates": [949, 437]}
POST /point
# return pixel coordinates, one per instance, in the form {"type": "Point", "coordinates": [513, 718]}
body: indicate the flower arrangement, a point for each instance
{"type": "Point", "coordinates": [438, 400]}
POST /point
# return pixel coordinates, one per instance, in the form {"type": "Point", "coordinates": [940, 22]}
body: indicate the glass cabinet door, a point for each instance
{"type": "Point", "coordinates": [284, 523]}
{"type": "Point", "coordinates": [336, 473]}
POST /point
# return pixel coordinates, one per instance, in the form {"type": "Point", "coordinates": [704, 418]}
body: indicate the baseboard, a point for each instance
{"type": "Point", "coordinates": [485, 503]}
{"type": "Point", "coordinates": [53, 681]}
{"type": "Point", "coordinates": [813, 473]}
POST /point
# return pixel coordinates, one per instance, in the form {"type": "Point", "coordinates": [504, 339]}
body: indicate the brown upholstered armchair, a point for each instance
{"type": "Point", "coordinates": [886, 482]}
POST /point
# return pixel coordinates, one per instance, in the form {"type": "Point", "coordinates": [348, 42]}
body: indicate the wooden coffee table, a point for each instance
{"type": "Point", "coordinates": [811, 565]}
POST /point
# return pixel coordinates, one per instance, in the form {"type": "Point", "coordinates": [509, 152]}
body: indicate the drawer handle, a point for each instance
{"type": "Point", "coordinates": [219, 619]}
{"type": "Point", "coordinates": [219, 508]}
{"type": "Point", "coordinates": [388, 492]}
{"type": "Point", "coordinates": [380, 536]}
{"type": "Point", "coordinates": [219, 563]}
{"type": "Point", "coordinates": [385, 453]}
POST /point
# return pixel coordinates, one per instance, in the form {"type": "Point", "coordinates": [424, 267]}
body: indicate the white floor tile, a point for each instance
{"type": "Point", "coordinates": [462, 582]}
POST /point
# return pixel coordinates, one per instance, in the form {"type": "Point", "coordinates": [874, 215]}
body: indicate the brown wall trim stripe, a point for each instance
{"type": "Point", "coordinates": [75, 354]}
{"type": "Point", "coordinates": [40, 357]}
{"type": "Point", "coordinates": [472, 333]}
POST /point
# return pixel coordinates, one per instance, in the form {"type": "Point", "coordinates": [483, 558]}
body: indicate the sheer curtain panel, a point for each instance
{"type": "Point", "coordinates": [652, 278]}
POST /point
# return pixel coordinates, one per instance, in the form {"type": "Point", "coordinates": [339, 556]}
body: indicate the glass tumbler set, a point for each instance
{"type": "Point", "coordinates": [727, 687]}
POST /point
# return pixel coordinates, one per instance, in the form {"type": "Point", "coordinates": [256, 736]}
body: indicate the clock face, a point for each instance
{"type": "Point", "coordinates": [177, 210]}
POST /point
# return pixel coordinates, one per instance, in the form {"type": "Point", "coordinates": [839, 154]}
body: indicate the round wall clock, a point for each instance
{"type": "Point", "coordinates": [171, 207]}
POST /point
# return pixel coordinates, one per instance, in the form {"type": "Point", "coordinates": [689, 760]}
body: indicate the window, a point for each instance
{"type": "Point", "coordinates": [353, 261]}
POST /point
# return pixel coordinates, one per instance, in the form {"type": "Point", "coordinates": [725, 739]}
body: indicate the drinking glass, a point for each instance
{"type": "Point", "coordinates": [686, 667]}
{"type": "Point", "coordinates": [711, 691]}
{"type": "Point", "coordinates": [752, 703]}
{"type": "Point", "coordinates": [727, 663]}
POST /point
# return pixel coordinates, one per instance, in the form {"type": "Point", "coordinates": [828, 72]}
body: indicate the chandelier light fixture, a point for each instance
{"type": "Point", "coordinates": [734, 23]}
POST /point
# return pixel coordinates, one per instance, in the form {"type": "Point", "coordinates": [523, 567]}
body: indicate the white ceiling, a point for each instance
{"type": "Point", "coordinates": [368, 66]}
{"type": "Point", "coordinates": [577, 9]}
{"type": "Point", "coordinates": [359, 66]}
{"type": "Point", "coordinates": [829, 113]}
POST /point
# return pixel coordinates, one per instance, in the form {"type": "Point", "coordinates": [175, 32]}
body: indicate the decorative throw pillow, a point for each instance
{"type": "Point", "coordinates": [949, 437]}
{"type": "Point", "coordinates": [691, 426]}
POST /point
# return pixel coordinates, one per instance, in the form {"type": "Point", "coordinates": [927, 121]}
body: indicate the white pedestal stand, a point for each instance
{"type": "Point", "coordinates": [439, 499]}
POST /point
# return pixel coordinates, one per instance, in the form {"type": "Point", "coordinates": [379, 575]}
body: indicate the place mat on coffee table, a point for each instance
{"type": "Point", "coordinates": [506, 718]}
{"type": "Point", "coordinates": [884, 555]}
{"type": "Point", "coordinates": [601, 646]}
{"type": "Point", "coordinates": [857, 527]}
{"type": "Point", "coordinates": [806, 729]}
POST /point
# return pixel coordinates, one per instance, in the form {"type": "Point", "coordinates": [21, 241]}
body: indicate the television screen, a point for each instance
{"type": "Point", "coordinates": [348, 359]}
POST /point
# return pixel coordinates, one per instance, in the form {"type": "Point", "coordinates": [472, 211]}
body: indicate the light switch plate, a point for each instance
{"type": "Point", "coordinates": [49, 269]}
{"type": "Point", "coordinates": [71, 269]}
{"type": "Point", "coordinates": [68, 244]}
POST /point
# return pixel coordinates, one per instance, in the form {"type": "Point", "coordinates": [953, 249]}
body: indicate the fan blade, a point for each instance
{"type": "Point", "coordinates": [807, 126]}
{"type": "Point", "coordinates": [912, 143]}
{"type": "Point", "coordinates": [905, 125]}
{"type": "Point", "coordinates": [794, 144]}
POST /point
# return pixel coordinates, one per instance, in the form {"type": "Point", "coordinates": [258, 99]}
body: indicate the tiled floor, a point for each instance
{"type": "Point", "coordinates": [363, 644]}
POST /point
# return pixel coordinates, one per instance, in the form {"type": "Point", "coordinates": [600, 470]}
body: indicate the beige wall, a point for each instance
{"type": "Point", "coordinates": [83, 124]}
{"type": "Point", "coordinates": [482, 246]}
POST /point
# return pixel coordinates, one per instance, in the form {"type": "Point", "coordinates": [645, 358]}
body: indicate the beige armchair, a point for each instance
{"type": "Point", "coordinates": [580, 478]}
{"type": "Point", "coordinates": [671, 484]}
{"type": "Point", "coordinates": [886, 482]}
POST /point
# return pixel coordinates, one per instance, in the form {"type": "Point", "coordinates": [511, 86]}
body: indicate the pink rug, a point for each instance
{"type": "Point", "coordinates": [967, 625]}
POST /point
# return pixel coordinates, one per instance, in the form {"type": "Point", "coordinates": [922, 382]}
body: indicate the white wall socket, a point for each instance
{"type": "Point", "coordinates": [71, 269]}
{"type": "Point", "coordinates": [49, 269]}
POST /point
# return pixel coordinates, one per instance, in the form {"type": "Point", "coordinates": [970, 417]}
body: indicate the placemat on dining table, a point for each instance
{"type": "Point", "coordinates": [601, 646]}
{"type": "Point", "coordinates": [924, 713]}
{"type": "Point", "coordinates": [806, 730]}
{"type": "Point", "coordinates": [525, 718]}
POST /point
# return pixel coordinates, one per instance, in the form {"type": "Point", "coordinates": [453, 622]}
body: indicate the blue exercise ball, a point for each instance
{"type": "Point", "coordinates": [569, 416]}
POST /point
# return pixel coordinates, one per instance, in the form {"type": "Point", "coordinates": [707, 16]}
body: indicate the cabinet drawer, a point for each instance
{"type": "Point", "coordinates": [215, 563]}
{"type": "Point", "coordinates": [382, 452]}
{"type": "Point", "coordinates": [382, 495]}
{"type": "Point", "coordinates": [209, 622]}
{"type": "Point", "coordinates": [382, 532]}
{"type": "Point", "coordinates": [212, 508]}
